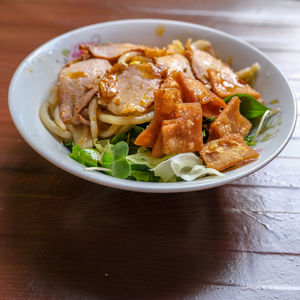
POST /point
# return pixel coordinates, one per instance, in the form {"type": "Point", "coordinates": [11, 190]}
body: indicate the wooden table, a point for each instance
{"type": "Point", "coordinates": [65, 238]}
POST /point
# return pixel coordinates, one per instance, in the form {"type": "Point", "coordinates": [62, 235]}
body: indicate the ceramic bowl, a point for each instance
{"type": "Point", "coordinates": [38, 72]}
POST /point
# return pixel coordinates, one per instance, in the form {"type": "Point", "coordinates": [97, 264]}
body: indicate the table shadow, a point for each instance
{"type": "Point", "coordinates": [76, 239]}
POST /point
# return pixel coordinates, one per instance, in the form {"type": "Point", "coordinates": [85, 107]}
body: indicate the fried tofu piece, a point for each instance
{"type": "Point", "coordinates": [164, 109]}
{"type": "Point", "coordinates": [195, 91]}
{"type": "Point", "coordinates": [176, 126]}
{"type": "Point", "coordinates": [183, 134]}
{"type": "Point", "coordinates": [226, 84]}
{"type": "Point", "coordinates": [230, 121]}
{"type": "Point", "coordinates": [226, 151]}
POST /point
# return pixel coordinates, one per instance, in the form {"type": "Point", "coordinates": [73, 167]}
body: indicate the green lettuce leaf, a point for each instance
{"type": "Point", "coordinates": [122, 136]}
{"type": "Point", "coordinates": [146, 176]}
{"type": "Point", "coordinates": [86, 157]}
{"type": "Point", "coordinates": [250, 108]}
{"type": "Point", "coordinates": [107, 161]}
{"type": "Point", "coordinates": [103, 146]}
{"type": "Point", "coordinates": [120, 165]}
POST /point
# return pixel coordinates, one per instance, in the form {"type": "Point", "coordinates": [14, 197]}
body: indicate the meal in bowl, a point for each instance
{"type": "Point", "coordinates": [155, 114]}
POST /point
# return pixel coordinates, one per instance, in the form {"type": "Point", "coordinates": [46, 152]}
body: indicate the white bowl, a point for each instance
{"type": "Point", "coordinates": [38, 72]}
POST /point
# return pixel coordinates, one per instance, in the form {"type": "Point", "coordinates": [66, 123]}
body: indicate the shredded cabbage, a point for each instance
{"type": "Point", "coordinates": [144, 157]}
{"type": "Point", "coordinates": [187, 166]}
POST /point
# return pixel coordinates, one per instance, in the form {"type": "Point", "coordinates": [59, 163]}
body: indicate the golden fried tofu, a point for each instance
{"type": "Point", "coordinates": [183, 134]}
{"type": "Point", "coordinates": [230, 121]}
{"type": "Point", "coordinates": [226, 151]}
{"type": "Point", "coordinates": [195, 91]}
{"type": "Point", "coordinates": [165, 101]}
{"type": "Point", "coordinates": [227, 83]}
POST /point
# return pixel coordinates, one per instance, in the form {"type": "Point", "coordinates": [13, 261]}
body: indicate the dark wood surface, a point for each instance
{"type": "Point", "coordinates": [65, 238]}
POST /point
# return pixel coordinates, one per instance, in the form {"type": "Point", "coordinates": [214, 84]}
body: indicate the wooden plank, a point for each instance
{"type": "Point", "coordinates": [281, 172]}
{"type": "Point", "coordinates": [65, 238]}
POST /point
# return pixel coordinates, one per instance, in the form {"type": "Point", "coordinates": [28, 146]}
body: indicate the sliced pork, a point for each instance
{"type": "Point", "coordinates": [214, 73]}
{"type": "Point", "coordinates": [77, 84]}
{"type": "Point", "coordinates": [131, 91]}
{"type": "Point", "coordinates": [224, 84]}
{"type": "Point", "coordinates": [111, 51]}
{"type": "Point", "coordinates": [176, 62]}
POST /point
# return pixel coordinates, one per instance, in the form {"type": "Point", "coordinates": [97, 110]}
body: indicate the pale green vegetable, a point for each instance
{"type": "Point", "coordinates": [103, 146]}
{"type": "Point", "coordinates": [187, 166]}
{"type": "Point", "coordinates": [144, 157]}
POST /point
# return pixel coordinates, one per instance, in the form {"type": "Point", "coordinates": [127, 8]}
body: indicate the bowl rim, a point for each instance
{"type": "Point", "coordinates": [138, 186]}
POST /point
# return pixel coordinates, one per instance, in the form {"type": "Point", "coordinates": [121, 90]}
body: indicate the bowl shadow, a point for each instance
{"type": "Point", "coordinates": [72, 239]}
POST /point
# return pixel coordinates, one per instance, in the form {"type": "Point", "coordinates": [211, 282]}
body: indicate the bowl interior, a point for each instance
{"type": "Point", "coordinates": [38, 72]}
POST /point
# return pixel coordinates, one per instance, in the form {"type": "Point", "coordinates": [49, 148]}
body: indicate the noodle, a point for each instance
{"type": "Point", "coordinates": [57, 118]}
{"type": "Point", "coordinates": [249, 74]}
{"type": "Point", "coordinates": [112, 130]}
{"type": "Point", "coordinates": [123, 58]}
{"type": "Point", "coordinates": [50, 125]}
{"type": "Point", "coordinates": [81, 135]}
{"type": "Point", "coordinates": [124, 128]}
{"type": "Point", "coordinates": [93, 118]}
{"type": "Point", "coordinates": [128, 120]}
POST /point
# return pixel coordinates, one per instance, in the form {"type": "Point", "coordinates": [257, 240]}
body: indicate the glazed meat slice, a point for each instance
{"type": "Point", "coordinates": [213, 71]}
{"type": "Point", "coordinates": [77, 84]}
{"type": "Point", "coordinates": [195, 91]}
{"type": "Point", "coordinates": [111, 51]}
{"type": "Point", "coordinates": [176, 62]}
{"type": "Point", "coordinates": [225, 84]}
{"type": "Point", "coordinates": [226, 151]}
{"type": "Point", "coordinates": [201, 61]}
{"type": "Point", "coordinates": [131, 91]}
{"type": "Point", "coordinates": [230, 121]}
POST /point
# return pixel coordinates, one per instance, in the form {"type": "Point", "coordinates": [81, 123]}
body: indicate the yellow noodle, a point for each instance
{"type": "Point", "coordinates": [112, 130]}
{"type": "Point", "coordinates": [93, 118]}
{"type": "Point", "coordinates": [249, 74]}
{"type": "Point", "coordinates": [82, 135]}
{"type": "Point", "coordinates": [128, 120]}
{"type": "Point", "coordinates": [200, 45]}
{"type": "Point", "coordinates": [53, 95]}
{"type": "Point", "coordinates": [56, 116]}
{"type": "Point", "coordinates": [123, 58]}
{"type": "Point", "coordinates": [124, 128]}
{"type": "Point", "coordinates": [51, 125]}
{"type": "Point", "coordinates": [52, 99]}
{"type": "Point", "coordinates": [175, 47]}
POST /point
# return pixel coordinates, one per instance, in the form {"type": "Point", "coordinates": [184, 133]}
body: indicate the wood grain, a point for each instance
{"type": "Point", "coordinates": [64, 238]}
